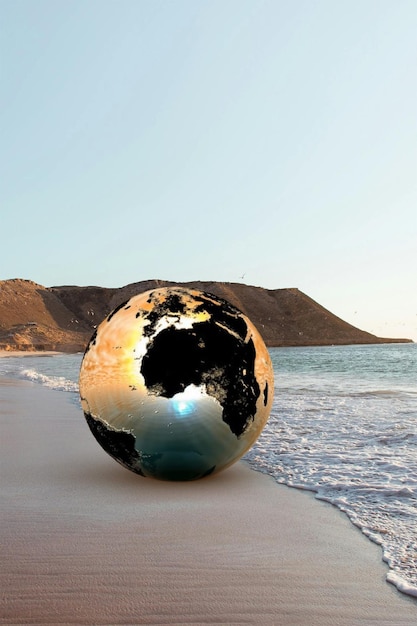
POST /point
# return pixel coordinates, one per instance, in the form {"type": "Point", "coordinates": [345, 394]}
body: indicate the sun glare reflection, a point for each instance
{"type": "Point", "coordinates": [185, 402]}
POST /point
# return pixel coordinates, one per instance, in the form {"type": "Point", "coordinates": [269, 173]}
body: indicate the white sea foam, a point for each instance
{"type": "Point", "coordinates": [348, 432]}
{"type": "Point", "coordinates": [401, 584]}
{"type": "Point", "coordinates": [60, 383]}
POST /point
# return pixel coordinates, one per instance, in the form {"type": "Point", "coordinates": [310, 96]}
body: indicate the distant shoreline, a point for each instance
{"type": "Point", "coordinates": [24, 353]}
{"type": "Point", "coordinates": [27, 353]}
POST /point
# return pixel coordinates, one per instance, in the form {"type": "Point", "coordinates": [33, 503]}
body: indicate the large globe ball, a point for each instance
{"type": "Point", "coordinates": [176, 384]}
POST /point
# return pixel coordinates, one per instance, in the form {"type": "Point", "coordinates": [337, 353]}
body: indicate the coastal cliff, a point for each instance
{"type": "Point", "coordinates": [34, 317]}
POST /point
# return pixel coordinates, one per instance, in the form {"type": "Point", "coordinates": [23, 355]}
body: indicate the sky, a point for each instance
{"type": "Point", "coordinates": [267, 142]}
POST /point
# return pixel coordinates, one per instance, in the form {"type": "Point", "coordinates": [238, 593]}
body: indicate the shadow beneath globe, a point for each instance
{"type": "Point", "coordinates": [109, 475]}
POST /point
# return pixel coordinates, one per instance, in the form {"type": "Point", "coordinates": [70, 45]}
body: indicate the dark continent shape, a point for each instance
{"type": "Point", "coordinates": [118, 444]}
{"type": "Point", "coordinates": [210, 354]}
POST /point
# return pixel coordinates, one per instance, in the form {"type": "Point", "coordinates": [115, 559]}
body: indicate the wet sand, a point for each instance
{"type": "Point", "coordinates": [86, 542]}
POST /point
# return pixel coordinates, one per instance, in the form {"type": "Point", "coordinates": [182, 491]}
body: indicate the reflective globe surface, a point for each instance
{"type": "Point", "coordinates": [176, 384]}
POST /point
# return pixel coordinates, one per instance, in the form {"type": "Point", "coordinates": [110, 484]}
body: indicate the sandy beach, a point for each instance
{"type": "Point", "coordinates": [86, 542]}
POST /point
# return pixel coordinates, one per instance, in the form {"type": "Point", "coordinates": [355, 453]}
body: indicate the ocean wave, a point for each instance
{"type": "Point", "coordinates": [403, 585]}
{"type": "Point", "coordinates": [59, 383]}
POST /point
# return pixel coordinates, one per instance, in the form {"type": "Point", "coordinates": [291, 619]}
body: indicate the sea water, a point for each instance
{"type": "Point", "coordinates": [343, 424]}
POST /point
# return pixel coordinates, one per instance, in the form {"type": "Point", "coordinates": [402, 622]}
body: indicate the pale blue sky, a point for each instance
{"type": "Point", "coordinates": [188, 140]}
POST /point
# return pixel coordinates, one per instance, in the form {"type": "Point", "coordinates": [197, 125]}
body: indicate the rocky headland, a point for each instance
{"type": "Point", "coordinates": [34, 317]}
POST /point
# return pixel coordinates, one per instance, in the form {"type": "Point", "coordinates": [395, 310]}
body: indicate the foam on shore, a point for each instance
{"type": "Point", "coordinates": [85, 541]}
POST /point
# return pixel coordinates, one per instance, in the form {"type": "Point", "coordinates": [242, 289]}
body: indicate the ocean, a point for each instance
{"type": "Point", "coordinates": [343, 425]}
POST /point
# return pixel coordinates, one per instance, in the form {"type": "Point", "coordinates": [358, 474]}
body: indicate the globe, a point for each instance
{"type": "Point", "coordinates": [176, 384]}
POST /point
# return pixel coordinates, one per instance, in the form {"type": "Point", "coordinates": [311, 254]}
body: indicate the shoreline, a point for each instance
{"type": "Point", "coordinates": [4, 354]}
{"type": "Point", "coordinates": [87, 542]}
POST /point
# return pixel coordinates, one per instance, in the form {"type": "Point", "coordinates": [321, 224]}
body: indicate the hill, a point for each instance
{"type": "Point", "coordinates": [34, 317]}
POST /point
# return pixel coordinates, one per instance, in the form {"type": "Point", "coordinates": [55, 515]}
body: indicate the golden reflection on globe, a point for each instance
{"type": "Point", "coordinates": [176, 384]}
